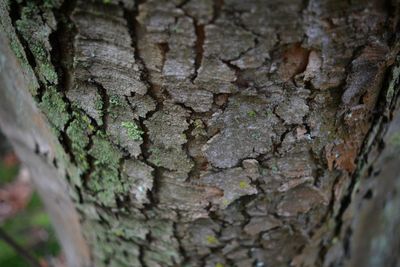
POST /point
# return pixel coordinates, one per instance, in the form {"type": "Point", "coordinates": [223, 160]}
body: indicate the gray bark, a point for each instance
{"type": "Point", "coordinates": [209, 133]}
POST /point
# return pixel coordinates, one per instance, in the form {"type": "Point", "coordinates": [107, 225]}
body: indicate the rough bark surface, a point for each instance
{"type": "Point", "coordinates": [219, 133]}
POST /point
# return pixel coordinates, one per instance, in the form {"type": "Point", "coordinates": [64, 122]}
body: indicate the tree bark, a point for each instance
{"type": "Point", "coordinates": [209, 133]}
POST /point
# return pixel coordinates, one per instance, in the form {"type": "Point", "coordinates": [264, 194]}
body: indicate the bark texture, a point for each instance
{"type": "Point", "coordinates": [220, 133]}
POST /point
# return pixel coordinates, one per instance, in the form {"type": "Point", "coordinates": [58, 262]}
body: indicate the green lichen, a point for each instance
{"type": "Point", "coordinates": [132, 130]}
{"type": "Point", "coordinates": [104, 182]}
{"type": "Point", "coordinates": [393, 82]}
{"type": "Point", "coordinates": [78, 132]}
{"type": "Point", "coordinates": [17, 49]}
{"type": "Point", "coordinates": [243, 184]}
{"type": "Point", "coordinates": [48, 72]}
{"type": "Point", "coordinates": [198, 123]}
{"type": "Point", "coordinates": [38, 51]}
{"type": "Point", "coordinates": [115, 101]}
{"type": "Point", "coordinates": [117, 106]}
{"type": "Point", "coordinates": [251, 113]}
{"type": "Point", "coordinates": [134, 231]}
{"type": "Point", "coordinates": [51, 3]}
{"type": "Point", "coordinates": [104, 152]}
{"type": "Point", "coordinates": [19, 52]}
{"type": "Point", "coordinates": [395, 140]}
{"type": "Point", "coordinates": [274, 168]}
{"type": "Point", "coordinates": [29, 10]}
{"type": "Point", "coordinates": [256, 136]}
{"type": "Point", "coordinates": [32, 22]}
{"type": "Point", "coordinates": [54, 107]}
{"type": "Point", "coordinates": [269, 113]}
{"type": "Point", "coordinates": [176, 29]}
{"type": "Point", "coordinates": [170, 158]}
{"type": "Point", "coordinates": [211, 240]}
{"type": "Point", "coordinates": [155, 156]}
{"type": "Point", "coordinates": [198, 128]}
{"type": "Point", "coordinates": [98, 104]}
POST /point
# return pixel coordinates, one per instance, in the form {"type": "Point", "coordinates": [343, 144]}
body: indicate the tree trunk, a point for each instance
{"type": "Point", "coordinates": [209, 133]}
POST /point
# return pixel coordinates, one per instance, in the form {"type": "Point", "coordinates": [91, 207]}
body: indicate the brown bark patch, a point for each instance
{"type": "Point", "coordinates": [295, 60]}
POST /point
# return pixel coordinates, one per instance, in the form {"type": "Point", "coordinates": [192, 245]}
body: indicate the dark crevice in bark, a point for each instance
{"type": "Point", "coordinates": [243, 81]}
{"type": "Point", "coordinates": [183, 4]}
{"type": "Point", "coordinates": [237, 21]}
{"type": "Point", "coordinates": [278, 145]}
{"type": "Point", "coordinates": [240, 82]}
{"type": "Point", "coordinates": [37, 149]}
{"type": "Point", "coordinates": [393, 17]}
{"type": "Point", "coordinates": [194, 171]}
{"type": "Point", "coordinates": [220, 101]}
{"type": "Point", "coordinates": [15, 11]}
{"type": "Point", "coordinates": [91, 163]}
{"type": "Point", "coordinates": [304, 6]}
{"type": "Point", "coordinates": [67, 144]}
{"type": "Point", "coordinates": [105, 99]}
{"type": "Point", "coordinates": [122, 200]}
{"type": "Point", "coordinates": [164, 48]}
{"type": "Point", "coordinates": [199, 163]}
{"type": "Point", "coordinates": [200, 36]}
{"type": "Point", "coordinates": [55, 163]}
{"type": "Point", "coordinates": [141, 256]}
{"type": "Point", "coordinates": [62, 56]}
{"type": "Point", "coordinates": [134, 26]}
{"type": "Point", "coordinates": [217, 9]}
{"type": "Point", "coordinates": [277, 115]}
{"type": "Point", "coordinates": [79, 193]}
{"type": "Point", "coordinates": [199, 42]}
{"type": "Point", "coordinates": [61, 41]}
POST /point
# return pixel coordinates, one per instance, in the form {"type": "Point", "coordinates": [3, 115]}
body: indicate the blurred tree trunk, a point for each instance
{"type": "Point", "coordinates": [209, 133]}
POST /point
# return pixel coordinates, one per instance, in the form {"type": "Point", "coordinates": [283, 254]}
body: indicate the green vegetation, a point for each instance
{"type": "Point", "coordinates": [17, 49]}
{"type": "Point", "coordinates": [55, 108]}
{"type": "Point", "coordinates": [212, 240]}
{"type": "Point", "coordinates": [133, 130]}
{"type": "Point", "coordinates": [98, 104]}
{"type": "Point", "coordinates": [104, 152]}
{"type": "Point", "coordinates": [7, 173]}
{"type": "Point", "coordinates": [78, 133]}
{"type": "Point", "coordinates": [243, 184]}
{"type": "Point", "coordinates": [24, 228]}
{"type": "Point", "coordinates": [47, 70]}
{"type": "Point", "coordinates": [251, 113]}
{"type": "Point", "coordinates": [39, 51]}
{"type": "Point", "coordinates": [395, 139]}
{"type": "Point", "coordinates": [115, 101]}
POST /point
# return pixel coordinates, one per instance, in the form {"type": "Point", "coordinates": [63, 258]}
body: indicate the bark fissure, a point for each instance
{"type": "Point", "coordinates": [212, 133]}
{"type": "Point", "coordinates": [199, 29]}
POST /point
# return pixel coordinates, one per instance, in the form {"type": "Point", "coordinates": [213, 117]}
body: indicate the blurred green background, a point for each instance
{"type": "Point", "coordinates": [28, 224]}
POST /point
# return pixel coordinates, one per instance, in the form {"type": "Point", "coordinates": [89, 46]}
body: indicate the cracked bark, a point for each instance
{"type": "Point", "coordinates": [210, 133]}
